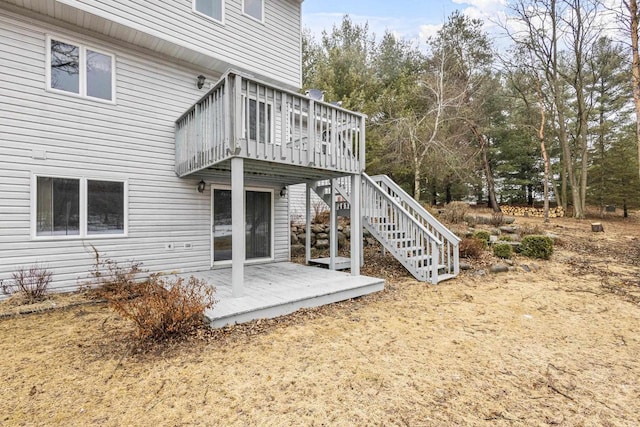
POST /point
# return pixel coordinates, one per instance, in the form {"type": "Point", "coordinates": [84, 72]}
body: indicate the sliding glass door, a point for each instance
{"type": "Point", "coordinates": [258, 225]}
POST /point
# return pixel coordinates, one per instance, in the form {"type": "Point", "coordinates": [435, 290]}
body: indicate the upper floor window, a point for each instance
{"type": "Point", "coordinates": [254, 8]}
{"type": "Point", "coordinates": [76, 69]}
{"type": "Point", "coordinates": [211, 8]}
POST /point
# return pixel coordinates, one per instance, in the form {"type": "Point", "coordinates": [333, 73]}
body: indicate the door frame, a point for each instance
{"type": "Point", "coordinates": [227, 263]}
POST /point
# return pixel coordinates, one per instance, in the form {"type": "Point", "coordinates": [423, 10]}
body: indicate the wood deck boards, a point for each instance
{"type": "Point", "coordinates": [276, 289]}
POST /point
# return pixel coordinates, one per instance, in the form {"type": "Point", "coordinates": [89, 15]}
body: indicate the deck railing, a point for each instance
{"type": "Point", "coordinates": [242, 116]}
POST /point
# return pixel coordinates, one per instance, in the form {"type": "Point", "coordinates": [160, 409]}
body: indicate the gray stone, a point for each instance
{"type": "Point", "coordinates": [370, 241]}
{"type": "Point", "coordinates": [551, 236]}
{"type": "Point", "coordinates": [365, 233]}
{"type": "Point", "coordinates": [317, 228]}
{"type": "Point", "coordinates": [493, 239]}
{"type": "Point", "coordinates": [465, 266]}
{"type": "Point", "coordinates": [342, 239]}
{"type": "Point", "coordinates": [499, 268]}
{"type": "Point", "coordinates": [347, 231]}
{"type": "Point", "coordinates": [322, 236]}
{"type": "Point", "coordinates": [508, 219]}
{"type": "Point", "coordinates": [322, 244]}
{"type": "Point", "coordinates": [525, 268]}
{"type": "Point", "coordinates": [302, 238]}
{"type": "Point", "coordinates": [495, 231]}
{"type": "Point", "coordinates": [508, 229]}
{"type": "Point", "coordinates": [294, 239]}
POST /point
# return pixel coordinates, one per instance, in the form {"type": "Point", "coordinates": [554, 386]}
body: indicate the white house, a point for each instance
{"type": "Point", "coordinates": [167, 132]}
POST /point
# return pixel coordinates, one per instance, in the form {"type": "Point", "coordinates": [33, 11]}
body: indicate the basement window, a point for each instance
{"type": "Point", "coordinates": [79, 207]}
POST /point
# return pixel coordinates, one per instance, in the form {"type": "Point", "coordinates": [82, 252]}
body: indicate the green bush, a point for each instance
{"type": "Point", "coordinates": [483, 236]}
{"type": "Point", "coordinates": [503, 250]}
{"type": "Point", "coordinates": [505, 238]}
{"type": "Point", "coordinates": [535, 246]}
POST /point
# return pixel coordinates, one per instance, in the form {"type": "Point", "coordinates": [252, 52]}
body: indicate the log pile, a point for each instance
{"type": "Point", "coordinates": [528, 211]}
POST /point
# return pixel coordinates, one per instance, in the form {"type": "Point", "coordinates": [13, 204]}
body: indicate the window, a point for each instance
{"type": "Point", "coordinates": [105, 207]}
{"type": "Point", "coordinates": [75, 69]}
{"type": "Point", "coordinates": [254, 9]}
{"type": "Point", "coordinates": [211, 8]}
{"type": "Point", "coordinates": [260, 121]}
{"type": "Point", "coordinates": [58, 207]}
{"type": "Point", "coordinates": [79, 207]}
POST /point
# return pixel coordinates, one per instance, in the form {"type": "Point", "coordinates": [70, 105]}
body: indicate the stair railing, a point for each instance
{"type": "Point", "coordinates": [449, 250]}
{"type": "Point", "coordinates": [421, 256]}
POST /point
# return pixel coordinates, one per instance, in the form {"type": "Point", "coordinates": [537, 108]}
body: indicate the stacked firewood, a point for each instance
{"type": "Point", "coordinates": [557, 212]}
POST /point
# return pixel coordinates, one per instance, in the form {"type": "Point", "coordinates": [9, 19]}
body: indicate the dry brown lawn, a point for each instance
{"type": "Point", "coordinates": [556, 346]}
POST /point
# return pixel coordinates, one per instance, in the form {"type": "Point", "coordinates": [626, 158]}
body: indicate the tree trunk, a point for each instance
{"type": "Point", "coordinates": [635, 68]}
{"type": "Point", "coordinates": [491, 188]}
{"type": "Point", "coordinates": [417, 189]}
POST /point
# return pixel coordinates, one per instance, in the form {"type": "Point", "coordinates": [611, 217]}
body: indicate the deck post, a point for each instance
{"type": "Point", "coordinates": [333, 224]}
{"type": "Point", "coordinates": [237, 226]}
{"type": "Point", "coordinates": [356, 226]}
{"type": "Point", "coordinates": [307, 240]}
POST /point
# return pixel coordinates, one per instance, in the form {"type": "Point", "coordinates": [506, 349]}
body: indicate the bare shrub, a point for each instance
{"type": "Point", "coordinates": [455, 212]}
{"type": "Point", "coordinates": [107, 276]}
{"type": "Point", "coordinates": [162, 307]}
{"type": "Point", "coordinates": [497, 219]}
{"type": "Point", "coordinates": [32, 284]}
{"type": "Point", "coordinates": [320, 213]}
{"type": "Point", "coordinates": [471, 248]}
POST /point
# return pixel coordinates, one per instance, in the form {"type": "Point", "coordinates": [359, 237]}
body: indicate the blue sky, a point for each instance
{"type": "Point", "coordinates": [410, 19]}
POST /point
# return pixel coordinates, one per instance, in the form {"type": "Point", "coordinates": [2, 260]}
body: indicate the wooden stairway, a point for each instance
{"type": "Point", "coordinates": [425, 247]}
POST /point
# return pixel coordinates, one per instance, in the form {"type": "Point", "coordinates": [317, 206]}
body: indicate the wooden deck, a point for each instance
{"type": "Point", "coordinates": [273, 290]}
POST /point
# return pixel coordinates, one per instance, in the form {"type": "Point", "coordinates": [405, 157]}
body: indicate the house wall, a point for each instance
{"type": "Point", "coordinates": [132, 139]}
{"type": "Point", "coordinates": [298, 203]}
{"type": "Point", "coordinates": [270, 48]}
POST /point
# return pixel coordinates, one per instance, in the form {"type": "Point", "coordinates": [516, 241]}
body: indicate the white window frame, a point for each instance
{"type": "Point", "coordinates": [82, 88]}
{"type": "Point", "coordinates": [253, 17]}
{"type": "Point", "coordinates": [84, 206]}
{"type": "Point", "coordinates": [210, 18]}
{"type": "Point", "coordinates": [227, 263]}
{"type": "Point", "coordinates": [269, 105]}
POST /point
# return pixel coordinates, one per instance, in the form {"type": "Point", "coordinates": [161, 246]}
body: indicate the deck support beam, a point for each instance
{"type": "Point", "coordinates": [356, 226]}
{"type": "Point", "coordinates": [307, 240]}
{"type": "Point", "coordinates": [237, 226]}
{"type": "Point", "coordinates": [333, 224]}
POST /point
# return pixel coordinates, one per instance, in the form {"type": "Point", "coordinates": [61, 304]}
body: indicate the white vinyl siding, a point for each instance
{"type": "Point", "coordinates": [45, 134]}
{"type": "Point", "coordinates": [270, 49]}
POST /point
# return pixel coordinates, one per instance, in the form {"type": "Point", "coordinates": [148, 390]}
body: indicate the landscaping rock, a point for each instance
{"type": "Point", "coordinates": [347, 232]}
{"type": "Point", "coordinates": [322, 244]}
{"type": "Point", "coordinates": [342, 239]}
{"type": "Point", "coordinates": [508, 229]}
{"type": "Point", "coordinates": [465, 266]}
{"type": "Point", "coordinates": [317, 228]}
{"type": "Point", "coordinates": [294, 239]}
{"type": "Point", "coordinates": [499, 268]}
{"type": "Point", "coordinates": [302, 238]}
{"type": "Point", "coordinates": [322, 236]}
